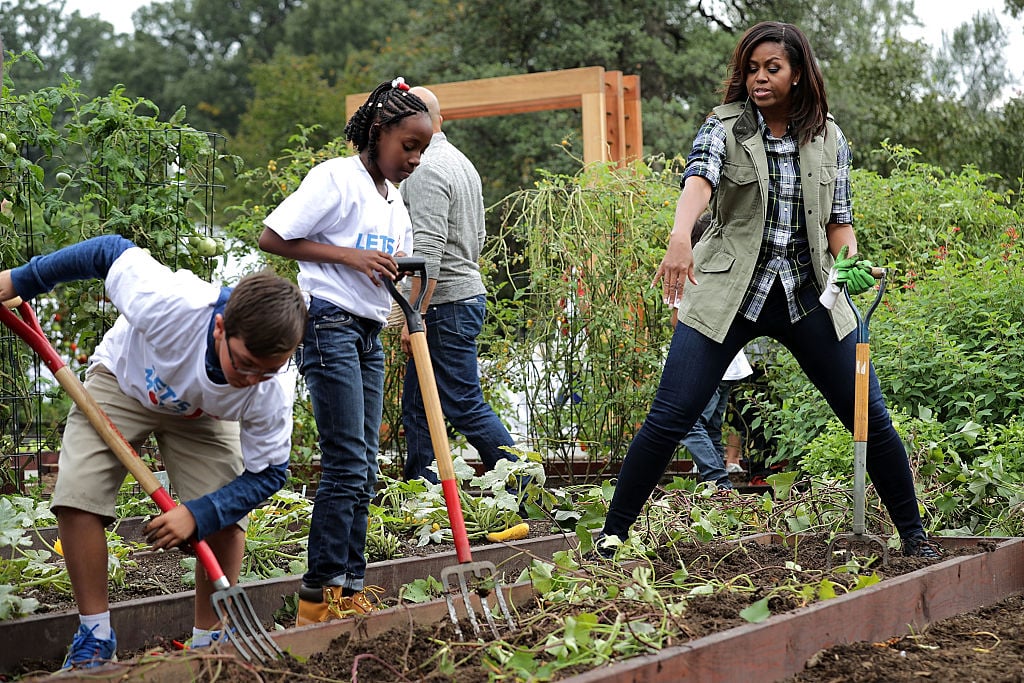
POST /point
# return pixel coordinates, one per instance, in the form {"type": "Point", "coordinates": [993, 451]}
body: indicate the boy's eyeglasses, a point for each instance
{"type": "Point", "coordinates": [254, 372]}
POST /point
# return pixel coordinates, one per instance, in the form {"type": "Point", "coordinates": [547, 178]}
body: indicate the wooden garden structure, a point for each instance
{"type": "Point", "coordinates": [609, 102]}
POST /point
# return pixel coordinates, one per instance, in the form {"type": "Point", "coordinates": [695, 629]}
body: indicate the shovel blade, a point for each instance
{"type": "Point", "coordinates": [846, 543]}
{"type": "Point", "coordinates": [238, 618]}
{"type": "Point", "coordinates": [480, 579]}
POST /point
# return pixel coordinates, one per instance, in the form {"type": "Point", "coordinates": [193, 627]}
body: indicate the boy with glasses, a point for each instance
{"type": "Point", "coordinates": [201, 367]}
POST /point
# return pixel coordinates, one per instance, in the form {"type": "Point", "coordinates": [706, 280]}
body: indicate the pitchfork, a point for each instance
{"type": "Point", "coordinates": [456, 578]}
{"type": "Point", "coordinates": [860, 433]}
{"type": "Point", "coordinates": [231, 604]}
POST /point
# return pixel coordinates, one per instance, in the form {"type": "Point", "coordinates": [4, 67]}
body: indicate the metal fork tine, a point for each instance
{"type": "Point", "coordinates": [238, 617]}
{"type": "Point", "coordinates": [447, 576]}
{"type": "Point", "coordinates": [480, 572]}
{"type": "Point", "coordinates": [486, 609]}
{"type": "Point", "coordinates": [487, 569]}
{"type": "Point", "coordinates": [259, 633]}
{"type": "Point", "coordinates": [470, 612]}
{"type": "Point", "coordinates": [452, 613]}
{"type": "Point", "coordinates": [504, 608]}
{"type": "Point", "coordinates": [231, 622]}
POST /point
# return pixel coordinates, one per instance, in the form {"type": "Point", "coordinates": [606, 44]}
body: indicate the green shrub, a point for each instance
{"type": "Point", "coordinates": [948, 337]}
{"type": "Point", "coordinates": [952, 338]}
{"type": "Point", "coordinates": [902, 218]}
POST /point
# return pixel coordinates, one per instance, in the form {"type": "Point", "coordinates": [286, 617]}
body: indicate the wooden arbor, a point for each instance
{"type": "Point", "coordinates": [609, 100]}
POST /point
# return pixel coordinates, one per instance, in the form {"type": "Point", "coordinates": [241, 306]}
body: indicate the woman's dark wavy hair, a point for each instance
{"type": "Point", "coordinates": [810, 103]}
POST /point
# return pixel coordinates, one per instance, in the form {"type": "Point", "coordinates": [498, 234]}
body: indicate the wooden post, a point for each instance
{"type": "Point", "coordinates": [615, 122]}
{"type": "Point", "coordinates": [633, 122]}
{"type": "Point", "coordinates": [610, 110]}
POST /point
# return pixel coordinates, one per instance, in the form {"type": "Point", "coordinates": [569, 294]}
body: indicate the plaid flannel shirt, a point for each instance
{"type": "Point", "coordinates": [784, 249]}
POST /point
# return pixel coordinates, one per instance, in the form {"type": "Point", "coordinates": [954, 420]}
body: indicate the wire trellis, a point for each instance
{"type": "Point", "coordinates": [30, 421]}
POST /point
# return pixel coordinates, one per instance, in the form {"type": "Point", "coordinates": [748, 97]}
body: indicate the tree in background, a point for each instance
{"type": "Point", "coordinates": [64, 43]}
{"type": "Point", "coordinates": [220, 61]}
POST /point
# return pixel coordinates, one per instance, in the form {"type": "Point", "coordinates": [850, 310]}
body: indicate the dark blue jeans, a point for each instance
{"type": "Point", "coordinates": [694, 366]}
{"type": "Point", "coordinates": [343, 362]}
{"type": "Point", "coordinates": [451, 330]}
{"type": "Point", "coordinates": [704, 442]}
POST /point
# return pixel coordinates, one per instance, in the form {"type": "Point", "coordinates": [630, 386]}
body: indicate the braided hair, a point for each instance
{"type": "Point", "coordinates": [387, 105]}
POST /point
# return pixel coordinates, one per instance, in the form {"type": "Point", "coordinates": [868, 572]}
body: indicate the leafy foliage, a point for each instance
{"type": "Point", "coordinates": [905, 217]}
{"type": "Point", "coordinates": [579, 336]}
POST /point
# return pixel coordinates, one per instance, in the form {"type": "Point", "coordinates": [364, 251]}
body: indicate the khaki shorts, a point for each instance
{"type": "Point", "coordinates": [200, 454]}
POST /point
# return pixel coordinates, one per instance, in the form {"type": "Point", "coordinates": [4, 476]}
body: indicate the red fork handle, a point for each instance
{"type": "Point", "coordinates": [28, 329]}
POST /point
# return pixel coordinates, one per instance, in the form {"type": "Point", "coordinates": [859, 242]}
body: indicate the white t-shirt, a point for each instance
{"type": "Point", "coordinates": [337, 203]}
{"type": "Point", "coordinates": [157, 351]}
{"type": "Point", "coordinates": [738, 368]}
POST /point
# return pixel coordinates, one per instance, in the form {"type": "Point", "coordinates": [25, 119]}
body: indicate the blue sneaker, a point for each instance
{"type": "Point", "coordinates": [87, 650]}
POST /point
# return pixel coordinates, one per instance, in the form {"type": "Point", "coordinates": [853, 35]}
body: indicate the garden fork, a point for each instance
{"type": "Point", "coordinates": [457, 578]}
{"type": "Point", "coordinates": [860, 435]}
{"type": "Point", "coordinates": [232, 606]}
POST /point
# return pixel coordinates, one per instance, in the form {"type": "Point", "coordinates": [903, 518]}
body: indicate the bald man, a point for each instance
{"type": "Point", "coordinates": [445, 201]}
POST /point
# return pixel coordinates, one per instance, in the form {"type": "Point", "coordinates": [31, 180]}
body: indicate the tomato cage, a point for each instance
{"type": "Point", "coordinates": [155, 185]}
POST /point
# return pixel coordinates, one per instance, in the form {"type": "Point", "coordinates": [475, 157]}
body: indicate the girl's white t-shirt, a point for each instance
{"type": "Point", "coordinates": [337, 203]}
{"type": "Point", "coordinates": [157, 351]}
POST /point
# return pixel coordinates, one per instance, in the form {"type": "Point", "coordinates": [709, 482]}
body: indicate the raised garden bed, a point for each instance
{"type": "Point", "coordinates": [770, 650]}
{"type": "Point", "coordinates": [153, 621]}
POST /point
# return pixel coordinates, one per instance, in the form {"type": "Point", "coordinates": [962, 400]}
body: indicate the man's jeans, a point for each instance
{"type": "Point", "coordinates": [343, 362]}
{"type": "Point", "coordinates": [704, 442]}
{"type": "Point", "coordinates": [451, 331]}
{"type": "Point", "coordinates": [693, 369]}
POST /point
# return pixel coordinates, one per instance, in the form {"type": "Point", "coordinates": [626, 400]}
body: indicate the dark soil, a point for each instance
{"type": "Point", "coordinates": [151, 574]}
{"type": "Point", "coordinates": [984, 646]}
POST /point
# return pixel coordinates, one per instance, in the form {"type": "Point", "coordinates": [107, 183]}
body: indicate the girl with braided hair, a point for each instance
{"type": "Point", "coordinates": [344, 225]}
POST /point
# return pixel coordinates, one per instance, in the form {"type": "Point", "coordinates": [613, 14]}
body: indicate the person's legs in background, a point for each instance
{"type": "Point", "coordinates": [704, 440]}
{"type": "Point", "coordinates": [452, 330]}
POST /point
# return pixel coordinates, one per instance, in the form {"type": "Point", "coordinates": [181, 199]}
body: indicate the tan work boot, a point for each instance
{"type": "Point", "coordinates": [331, 606]}
{"type": "Point", "coordinates": [366, 600]}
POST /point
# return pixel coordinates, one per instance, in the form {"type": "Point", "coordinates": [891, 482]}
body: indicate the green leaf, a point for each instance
{"type": "Point", "coordinates": [757, 612]}
{"type": "Point", "coordinates": [826, 590]}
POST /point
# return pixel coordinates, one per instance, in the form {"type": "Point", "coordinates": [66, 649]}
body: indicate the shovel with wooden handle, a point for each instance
{"type": "Point", "coordinates": [232, 605]}
{"type": "Point", "coordinates": [859, 537]}
{"type": "Point", "coordinates": [467, 577]}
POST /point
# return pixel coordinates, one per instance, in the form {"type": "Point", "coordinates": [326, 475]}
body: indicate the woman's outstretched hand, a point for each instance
{"type": "Point", "coordinates": [675, 269]}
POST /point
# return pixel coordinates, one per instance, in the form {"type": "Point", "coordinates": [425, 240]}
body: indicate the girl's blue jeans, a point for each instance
{"type": "Point", "coordinates": [692, 371]}
{"type": "Point", "coordinates": [343, 362]}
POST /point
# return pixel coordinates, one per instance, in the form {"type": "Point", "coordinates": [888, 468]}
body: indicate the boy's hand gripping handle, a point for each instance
{"type": "Point", "coordinates": [27, 327]}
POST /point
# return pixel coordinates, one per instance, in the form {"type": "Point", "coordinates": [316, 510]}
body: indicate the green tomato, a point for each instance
{"type": "Point", "coordinates": [3, 139]}
{"type": "Point", "coordinates": [207, 247]}
{"type": "Point", "coordinates": [63, 178]}
{"type": "Point", "coordinates": [11, 148]}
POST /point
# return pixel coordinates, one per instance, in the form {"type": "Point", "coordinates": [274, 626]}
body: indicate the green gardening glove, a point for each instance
{"type": "Point", "coordinates": [853, 272]}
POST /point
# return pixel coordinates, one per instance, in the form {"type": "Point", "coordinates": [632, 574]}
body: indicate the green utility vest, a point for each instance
{"type": "Point", "coordinates": [725, 257]}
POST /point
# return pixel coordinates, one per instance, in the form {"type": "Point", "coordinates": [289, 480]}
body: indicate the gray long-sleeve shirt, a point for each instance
{"type": "Point", "coordinates": [445, 201]}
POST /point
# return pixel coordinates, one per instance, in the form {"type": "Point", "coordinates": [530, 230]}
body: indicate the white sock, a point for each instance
{"type": "Point", "coordinates": [201, 637]}
{"type": "Point", "coordinates": [101, 621]}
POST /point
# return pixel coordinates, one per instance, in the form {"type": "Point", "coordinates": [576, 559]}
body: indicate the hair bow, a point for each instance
{"type": "Point", "coordinates": [400, 84]}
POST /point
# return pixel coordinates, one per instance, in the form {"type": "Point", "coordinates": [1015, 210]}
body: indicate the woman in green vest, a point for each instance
{"type": "Point", "coordinates": [774, 169]}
